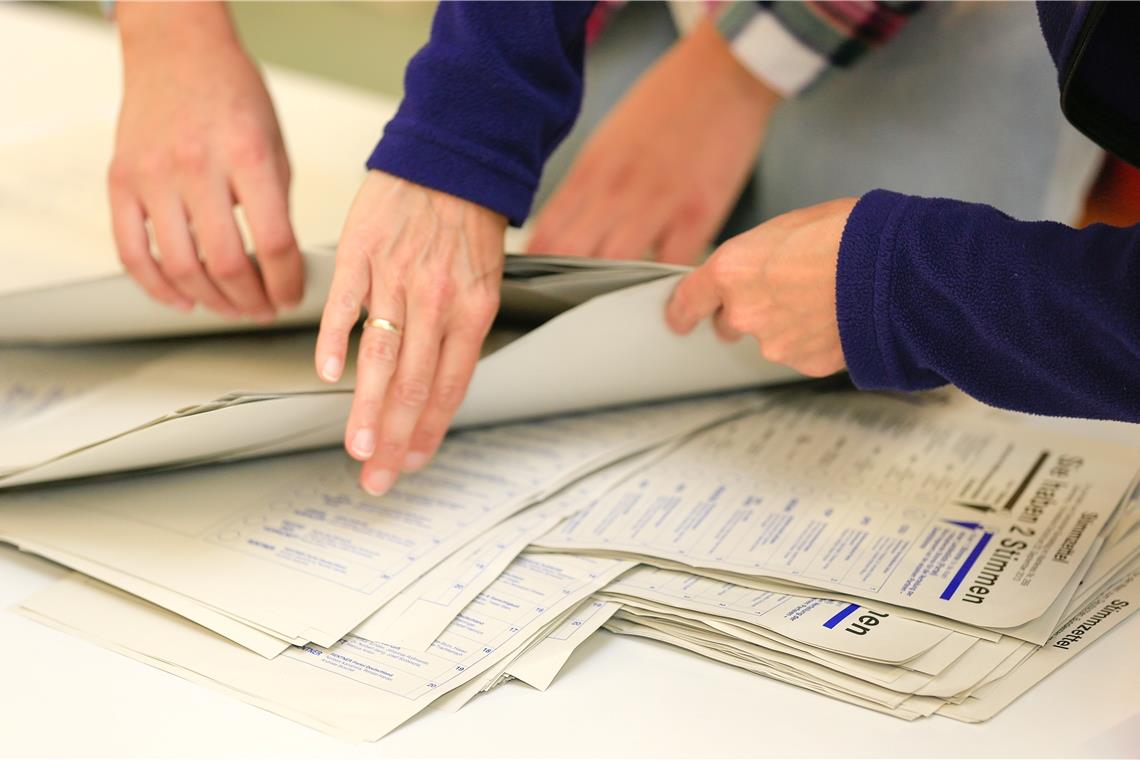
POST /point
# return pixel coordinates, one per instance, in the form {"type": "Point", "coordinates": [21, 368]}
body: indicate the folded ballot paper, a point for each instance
{"type": "Point", "coordinates": [909, 558]}
{"type": "Point", "coordinates": [573, 334]}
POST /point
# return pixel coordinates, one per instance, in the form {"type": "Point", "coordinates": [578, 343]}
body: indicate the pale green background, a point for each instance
{"type": "Point", "coordinates": [365, 44]}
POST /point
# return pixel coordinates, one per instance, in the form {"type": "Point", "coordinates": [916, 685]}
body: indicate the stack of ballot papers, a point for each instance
{"type": "Point", "coordinates": [572, 334]}
{"type": "Point", "coordinates": [915, 556]}
{"type": "Point", "coordinates": [912, 558]}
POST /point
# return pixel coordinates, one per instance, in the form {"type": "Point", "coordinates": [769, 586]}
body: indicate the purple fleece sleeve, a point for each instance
{"type": "Point", "coordinates": [1034, 316]}
{"type": "Point", "coordinates": [487, 99]}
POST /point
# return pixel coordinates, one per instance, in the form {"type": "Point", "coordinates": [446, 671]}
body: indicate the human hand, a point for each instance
{"type": "Point", "coordinates": [197, 134]}
{"type": "Point", "coordinates": [776, 283]}
{"type": "Point", "coordinates": [662, 171]}
{"type": "Point", "coordinates": [430, 264]}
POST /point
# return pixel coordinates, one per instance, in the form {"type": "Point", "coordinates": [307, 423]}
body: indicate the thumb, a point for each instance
{"type": "Point", "coordinates": [694, 298]}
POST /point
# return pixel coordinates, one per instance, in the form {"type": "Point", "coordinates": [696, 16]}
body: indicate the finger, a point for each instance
{"type": "Point", "coordinates": [219, 242]}
{"type": "Point", "coordinates": [694, 298]}
{"type": "Point", "coordinates": [635, 230]}
{"type": "Point", "coordinates": [263, 193]}
{"type": "Point", "coordinates": [685, 241]}
{"type": "Point", "coordinates": [178, 258]}
{"type": "Point", "coordinates": [407, 395]}
{"type": "Point", "coordinates": [556, 215]}
{"type": "Point", "coordinates": [458, 356]}
{"type": "Point", "coordinates": [129, 229]}
{"type": "Point", "coordinates": [582, 233]}
{"type": "Point", "coordinates": [376, 362]}
{"type": "Point", "coordinates": [350, 286]}
{"type": "Point", "coordinates": [723, 330]}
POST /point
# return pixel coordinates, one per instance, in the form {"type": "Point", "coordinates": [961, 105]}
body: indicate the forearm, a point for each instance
{"type": "Point", "coordinates": [147, 30]}
{"type": "Point", "coordinates": [792, 45]}
{"type": "Point", "coordinates": [1033, 316]}
{"type": "Point", "coordinates": [487, 100]}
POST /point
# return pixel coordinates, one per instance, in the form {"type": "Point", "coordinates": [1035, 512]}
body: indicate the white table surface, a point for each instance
{"type": "Point", "coordinates": [62, 696]}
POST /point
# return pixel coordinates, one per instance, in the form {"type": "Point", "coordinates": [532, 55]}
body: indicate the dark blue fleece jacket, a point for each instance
{"type": "Point", "coordinates": [1025, 315]}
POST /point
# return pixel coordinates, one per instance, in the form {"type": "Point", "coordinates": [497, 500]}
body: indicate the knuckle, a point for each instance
{"type": "Point", "coordinates": [389, 450]}
{"type": "Point", "coordinates": [227, 268]}
{"type": "Point", "coordinates": [695, 210]}
{"type": "Point", "coordinates": [721, 266]}
{"type": "Point", "coordinates": [451, 392]}
{"type": "Point", "coordinates": [131, 256]}
{"type": "Point", "coordinates": [366, 410]}
{"type": "Point", "coordinates": [427, 437]}
{"type": "Point", "coordinates": [120, 175]}
{"type": "Point", "coordinates": [815, 368]}
{"type": "Point", "coordinates": [775, 351]}
{"type": "Point", "coordinates": [334, 338]}
{"type": "Point", "coordinates": [437, 297]}
{"type": "Point", "coordinates": [276, 245]}
{"type": "Point", "coordinates": [190, 156]}
{"type": "Point", "coordinates": [347, 304]}
{"type": "Point", "coordinates": [483, 308]}
{"type": "Point", "coordinates": [379, 351]}
{"type": "Point", "coordinates": [181, 269]}
{"type": "Point", "coordinates": [153, 166]}
{"type": "Point", "coordinates": [249, 148]}
{"type": "Point", "coordinates": [736, 320]}
{"type": "Point", "coordinates": [620, 180]}
{"type": "Point", "coordinates": [412, 392]}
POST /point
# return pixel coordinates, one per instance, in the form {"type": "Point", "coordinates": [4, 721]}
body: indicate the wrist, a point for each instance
{"type": "Point", "coordinates": [745, 89]}
{"type": "Point", "coordinates": [863, 290]}
{"type": "Point", "coordinates": [157, 30]}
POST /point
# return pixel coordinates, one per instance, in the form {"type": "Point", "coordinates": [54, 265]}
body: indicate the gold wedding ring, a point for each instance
{"type": "Point", "coordinates": [383, 324]}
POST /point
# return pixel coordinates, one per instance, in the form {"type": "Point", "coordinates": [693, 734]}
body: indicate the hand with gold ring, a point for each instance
{"type": "Point", "coordinates": [427, 267]}
{"type": "Point", "coordinates": [383, 324]}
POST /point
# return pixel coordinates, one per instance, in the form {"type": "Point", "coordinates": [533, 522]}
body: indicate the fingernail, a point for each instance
{"type": "Point", "coordinates": [231, 314]}
{"type": "Point", "coordinates": [183, 306]}
{"type": "Point", "coordinates": [379, 482]}
{"type": "Point", "coordinates": [414, 460]}
{"type": "Point", "coordinates": [363, 443]}
{"type": "Point", "coordinates": [263, 318]}
{"type": "Point", "coordinates": [330, 370]}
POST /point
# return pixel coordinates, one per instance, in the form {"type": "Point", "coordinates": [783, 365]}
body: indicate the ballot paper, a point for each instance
{"type": "Point", "coordinates": [944, 674]}
{"type": "Point", "coordinates": [539, 665]}
{"type": "Point", "coordinates": [441, 567]}
{"type": "Point", "coordinates": [32, 380]}
{"type": "Point", "coordinates": [909, 708]}
{"type": "Point", "coordinates": [416, 616]}
{"type": "Point", "coordinates": [535, 289]}
{"type": "Point", "coordinates": [963, 518]}
{"type": "Point", "coordinates": [356, 688]}
{"type": "Point", "coordinates": [1111, 607]}
{"type": "Point", "coordinates": [541, 660]}
{"type": "Point", "coordinates": [293, 548]}
{"type": "Point", "coordinates": [223, 399]}
{"type": "Point", "coordinates": [830, 625]}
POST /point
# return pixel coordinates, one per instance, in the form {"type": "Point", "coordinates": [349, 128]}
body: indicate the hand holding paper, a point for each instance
{"type": "Point", "coordinates": [777, 284]}
{"type": "Point", "coordinates": [198, 134]}
{"type": "Point", "coordinates": [428, 266]}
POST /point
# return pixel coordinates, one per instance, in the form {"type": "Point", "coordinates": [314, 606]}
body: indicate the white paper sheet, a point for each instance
{"type": "Point", "coordinates": [614, 349]}
{"type": "Point", "coordinates": [541, 664]}
{"type": "Point", "coordinates": [357, 688]}
{"type": "Point", "coordinates": [836, 626]}
{"type": "Point", "coordinates": [1094, 620]}
{"type": "Point", "coordinates": [977, 522]}
{"type": "Point", "coordinates": [293, 546]}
